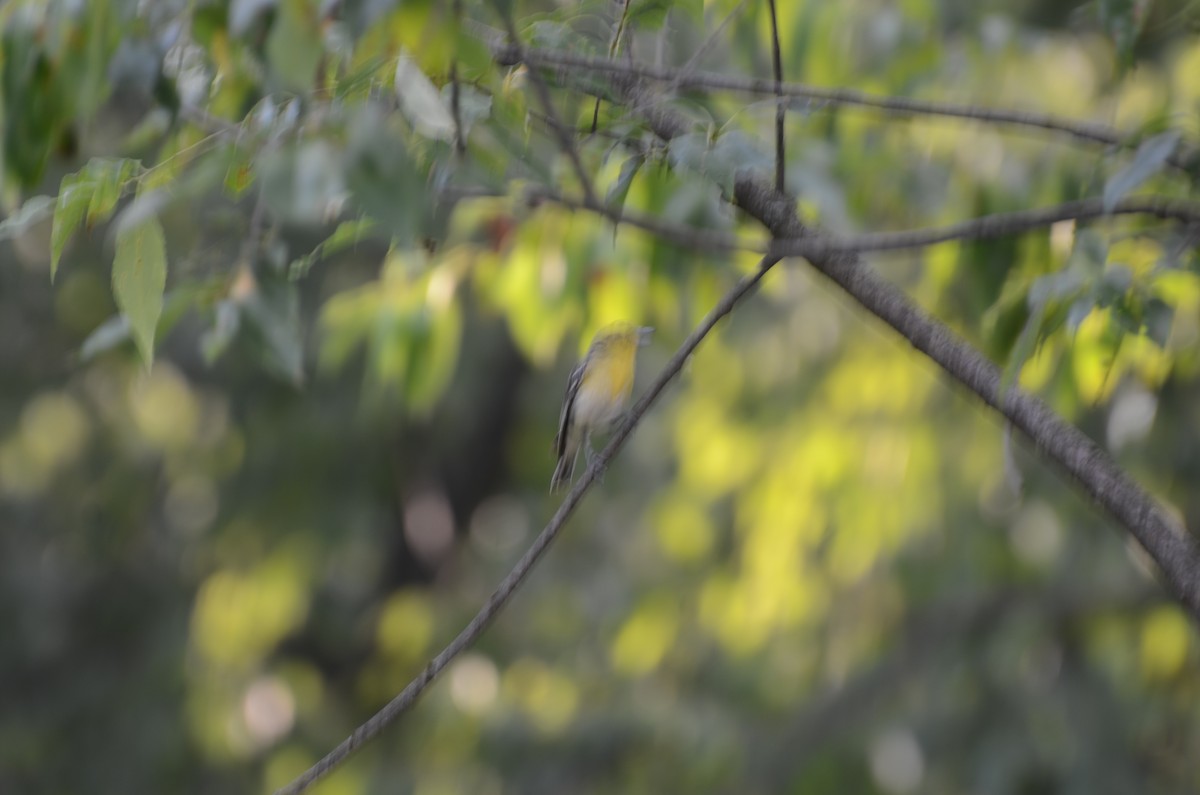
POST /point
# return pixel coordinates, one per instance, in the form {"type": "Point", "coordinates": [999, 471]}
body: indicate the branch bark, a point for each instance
{"type": "Point", "coordinates": [1084, 130]}
{"type": "Point", "coordinates": [780, 107]}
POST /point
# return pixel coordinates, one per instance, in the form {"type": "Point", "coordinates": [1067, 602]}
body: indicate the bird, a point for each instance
{"type": "Point", "coordinates": [598, 390]}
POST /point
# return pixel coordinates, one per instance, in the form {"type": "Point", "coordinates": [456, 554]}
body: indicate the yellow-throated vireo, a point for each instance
{"type": "Point", "coordinates": [597, 393]}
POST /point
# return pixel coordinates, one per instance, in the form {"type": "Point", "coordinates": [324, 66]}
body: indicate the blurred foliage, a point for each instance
{"type": "Point", "coordinates": [283, 418]}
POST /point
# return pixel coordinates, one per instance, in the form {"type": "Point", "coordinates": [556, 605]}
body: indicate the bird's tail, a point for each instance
{"type": "Point", "coordinates": [565, 469]}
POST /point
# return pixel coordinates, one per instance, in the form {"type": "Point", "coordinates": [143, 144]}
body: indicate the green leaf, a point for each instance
{"type": "Point", "coordinates": [33, 210]}
{"type": "Point", "coordinates": [615, 198]}
{"type": "Point", "coordinates": [1123, 21]}
{"type": "Point", "coordinates": [139, 277]}
{"type": "Point", "coordinates": [473, 105]}
{"type": "Point", "coordinates": [385, 182]}
{"type": "Point", "coordinates": [1158, 316]}
{"type": "Point", "coordinates": [734, 153]}
{"type": "Point", "coordinates": [421, 103]}
{"type": "Point", "coordinates": [105, 337]}
{"type": "Point", "coordinates": [272, 315]}
{"type": "Point", "coordinates": [433, 353]}
{"type": "Point", "coordinates": [108, 178]}
{"type": "Point", "coordinates": [294, 46]}
{"type": "Point", "coordinates": [1081, 307]}
{"type": "Point", "coordinates": [689, 150]}
{"type": "Point", "coordinates": [1023, 348]}
{"type": "Point", "coordinates": [302, 184]}
{"type": "Point", "coordinates": [116, 330]}
{"type": "Point", "coordinates": [347, 234]}
{"type": "Point", "coordinates": [1147, 161]}
{"type": "Point", "coordinates": [93, 191]}
{"type": "Point", "coordinates": [649, 14]}
{"type": "Point", "coordinates": [225, 327]}
{"type": "Point", "coordinates": [74, 196]}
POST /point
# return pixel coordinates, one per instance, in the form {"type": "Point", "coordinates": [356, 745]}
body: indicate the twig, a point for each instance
{"type": "Point", "coordinates": [407, 697]}
{"type": "Point", "coordinates": [780, 109]}
{"type": "Point", "coordinates": [460, 141]}
{"type": "Point", "coordinates": [613, 46]}
{"type": "Point", "coordinates": [820, 245]}
{"type": "Point", "coordinates": [539, 85]}
{"type": "Point", "coordinates": [1089, 131]}
{"type": "Point", "coordinates": [988, 226]}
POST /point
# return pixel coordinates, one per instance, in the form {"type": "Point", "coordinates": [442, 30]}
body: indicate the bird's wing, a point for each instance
{"type": "Point", "coordinates": [568, 408]}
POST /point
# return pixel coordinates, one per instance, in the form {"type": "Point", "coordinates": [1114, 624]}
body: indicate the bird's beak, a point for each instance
{"type": "Point", "coordinates": [644, 333]}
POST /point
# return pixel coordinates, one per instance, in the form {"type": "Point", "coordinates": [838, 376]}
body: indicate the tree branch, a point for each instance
{"type": "Point", "coordinates": [1084, 130]}
{"type": "Point", "coordinates": [988, 226]}
{"type": "Point", "coordinates": [496, 602]}
{"type": "Point", "coordinates": [1171, 546]}
{"type": "Point", "coordinates": [821, 245]}
{"type": "Point", "coordinates": [780, 108]}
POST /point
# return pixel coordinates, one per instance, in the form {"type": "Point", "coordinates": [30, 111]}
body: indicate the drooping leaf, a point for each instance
{"type": "Point", "coordinates": [106, 336]}
{"type": "Point", "coordinates": [421, 103]}
{"type": "Point", "coordinates": [473, 105]}
{"type": "Point", "coordinates": [139, 276]}
{"type": "Point", "coordinates": [1081, 307]}
{"type": "Point", "coordinates": [226, 321]}
{"type": "Point", "coordinates": [294, 46]}
{"type": "Point", "coordinates": [1147, 161]}
{"type": "Point", "coordinates": [1158, 316]}
{"type": "Point", "coordinates": [689, 150]}
{"type": "Point", "coordinates": [432, 357]}
{"type": "Point", "coordinates": [91, 192]}
{"type": "Point", "coordinates": [74, 196]}
{"type": "Point", "coordinates": [272, 315]}
{"type": "Point", "coordinates": [615, 198]}
{"type": "Point", "coordinates": [1123, 21]}
{"type": "Point", "coordinates": [303, 184]}
{"type": "Point", "coordinates": [33, 210]}
{"type": "Point", "coordinates": [347, 234]}
{"type": "Point", "coordinates": [734, 153]}
{"type": "Point", "coordinates": [384, 181]}
{"type": "Point", "coordinates": [108, 178]}
{"type": "Point", "coordinates": [1023, 349]}
{"type": "Point", "coordinates": [651, 13]}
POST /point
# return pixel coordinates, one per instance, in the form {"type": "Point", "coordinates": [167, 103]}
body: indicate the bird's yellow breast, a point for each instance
{"type": "Point", "coordinates": [606, 384]}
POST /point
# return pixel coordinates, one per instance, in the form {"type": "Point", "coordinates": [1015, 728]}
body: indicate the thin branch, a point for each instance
{"type": "Point", "coordinates": [988, 226]}
{"type": "Point", "coordinates": [460, 141]}
{"type": "Point", "coordinates": [496, 602]}
{"type": "Point", "coordinates": [613, 46]}
{"type": "Point", "coordinates": [780, 108]}
{"type": "Point", "coordinates": [1089, 131]}
{"type": "Point", "coordinates": [1172, 547]}
{"type": "Point", "coordinates": [539, 85]}
{"type": "Point", "coordinates": [820, 245]}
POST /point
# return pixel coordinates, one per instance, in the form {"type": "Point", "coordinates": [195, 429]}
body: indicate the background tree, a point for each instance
{"type": "Point", "coordinates": [282, 420]}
